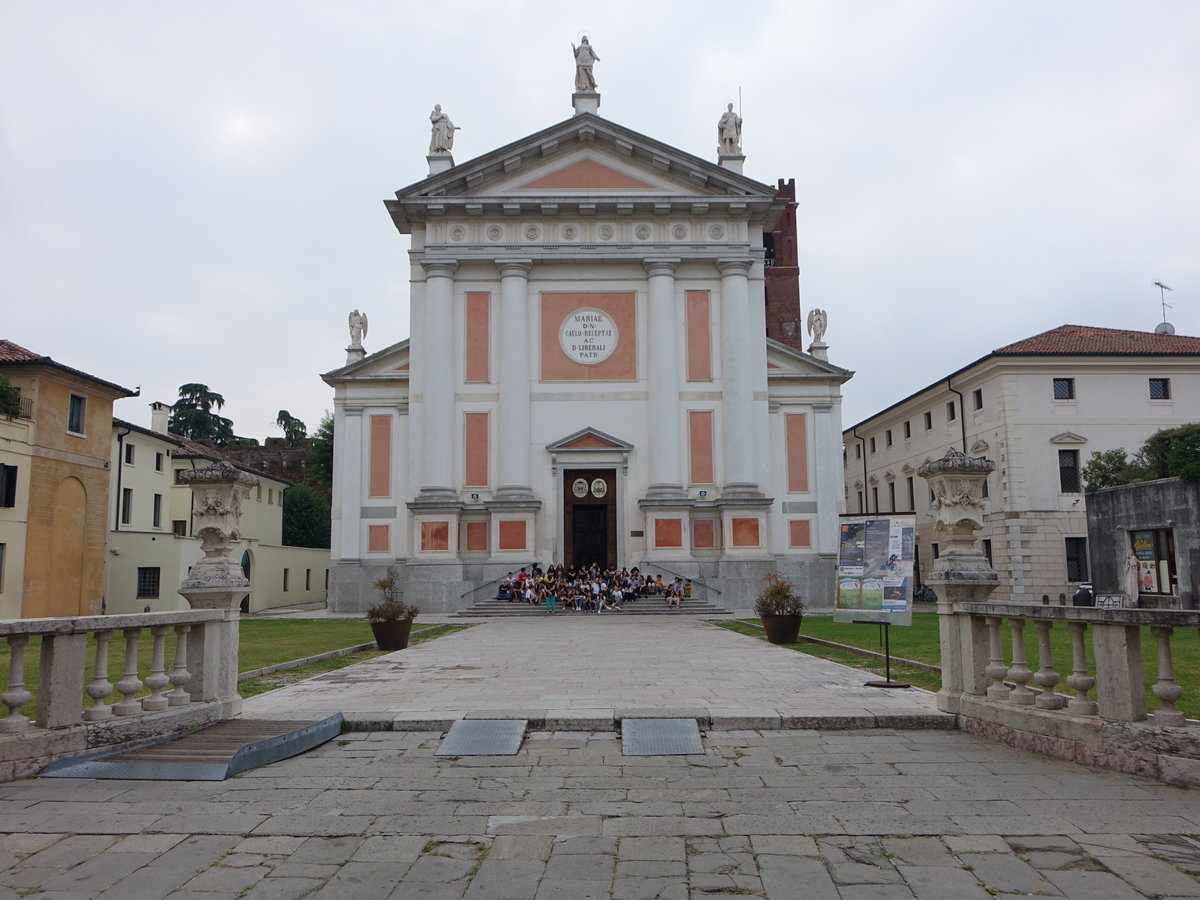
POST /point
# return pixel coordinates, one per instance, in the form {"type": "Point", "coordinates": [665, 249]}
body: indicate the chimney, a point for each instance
{"type": "Point", "coordinates": [159, 414]}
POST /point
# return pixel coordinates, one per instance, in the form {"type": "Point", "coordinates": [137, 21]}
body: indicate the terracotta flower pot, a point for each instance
{"type": "Point", "coordinates": [392, 635]}
{"type": "Point", "coordinates": [782, 629]}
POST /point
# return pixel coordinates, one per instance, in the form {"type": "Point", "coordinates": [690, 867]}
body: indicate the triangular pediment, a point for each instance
{"type": "Point", "coordinates": [575, 167]}
{"type": "Point", "coordinates": [1068, 437]}
{"type": "Point", "coordinates": [589, 439]}
{"type": "Point", "coordinates": [785, 362]}
{"type": "Point", "coordinates": [390, 363]}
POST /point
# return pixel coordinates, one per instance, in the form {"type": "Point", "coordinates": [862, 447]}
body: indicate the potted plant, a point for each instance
{"type": "Point", "coordinates": [781, 610]}
{"type": "Point", "coordinates": [391, 620]}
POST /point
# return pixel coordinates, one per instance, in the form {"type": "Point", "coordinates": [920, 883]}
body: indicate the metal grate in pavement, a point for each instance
{"type": "Point", "coordinates": [660, 737]}
{"type": "Point", "coordinates": [484, 737]}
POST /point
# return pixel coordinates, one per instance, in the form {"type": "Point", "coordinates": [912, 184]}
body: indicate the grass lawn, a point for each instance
{"type": "Point", "coordinates": [262, 643]}
{"type": "Point", "coordinates": [919, 642]}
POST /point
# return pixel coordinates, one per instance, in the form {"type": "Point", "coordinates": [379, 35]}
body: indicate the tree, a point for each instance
{"type": "Point", "coordinates": [192, 416]}
{"type": "Point", "coordinates": [1108, 468]}
{"type": "Point", "coordinates": [294, 431]}
{"type": "Point", "coordinates": [320, 458]}
{"type": "Point", "coordinates": [305, 518]}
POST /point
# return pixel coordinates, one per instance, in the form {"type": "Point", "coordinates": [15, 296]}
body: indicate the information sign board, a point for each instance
{"type": "Point", "coordinates": [875, 569]}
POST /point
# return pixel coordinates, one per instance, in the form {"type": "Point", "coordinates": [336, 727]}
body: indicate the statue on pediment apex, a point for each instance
{"type": "Point", "coordinates": [729, 133]}
{"type": "Point", "coordinates": [585, 58]}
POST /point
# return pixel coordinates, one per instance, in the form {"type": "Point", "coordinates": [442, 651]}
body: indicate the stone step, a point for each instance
{"type": "Point", "coordinates": [653, 606]}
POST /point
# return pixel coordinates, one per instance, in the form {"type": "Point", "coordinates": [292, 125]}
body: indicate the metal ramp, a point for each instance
{"type": "Point", "coordinates": [211, 754]}
{"type": "Point", "coordinates": [660, 737]}
{"type": "Point", "coordinates": [484, 737]}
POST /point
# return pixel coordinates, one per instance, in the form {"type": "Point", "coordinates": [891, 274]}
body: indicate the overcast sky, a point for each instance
{"type": "Point", "coordinates": [193, 192]}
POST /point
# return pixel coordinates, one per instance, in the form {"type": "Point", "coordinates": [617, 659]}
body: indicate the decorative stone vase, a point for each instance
{"type": "Point", "coordinates": [782, 629]}
{"type": "Point", "coordinates": [392, 635]}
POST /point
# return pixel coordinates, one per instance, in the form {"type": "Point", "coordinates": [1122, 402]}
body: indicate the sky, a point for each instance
{"type": "Point", "coordinates": [193, 192]}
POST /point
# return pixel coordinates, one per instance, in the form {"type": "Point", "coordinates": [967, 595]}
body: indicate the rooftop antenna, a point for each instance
{"type": "Point", "coordinates": [1166, 327]}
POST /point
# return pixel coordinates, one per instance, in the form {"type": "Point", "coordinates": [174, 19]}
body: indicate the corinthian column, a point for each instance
{"type": "Point", "coordinates": [737, 362]}
{"type": "Point", "coordinates": [663, 376]}
{"type": "Point", "coordinates": [438, 379]}
{"type": "Point", "coordinates": [514, 424]}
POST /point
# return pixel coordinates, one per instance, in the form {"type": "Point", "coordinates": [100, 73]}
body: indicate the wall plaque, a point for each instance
{"type": "Point", "coordinates": [599, 488]}
{"type": "Point", "coordinates": [579, 487]}
{"type": "Point", "coordinates": [588, 336]}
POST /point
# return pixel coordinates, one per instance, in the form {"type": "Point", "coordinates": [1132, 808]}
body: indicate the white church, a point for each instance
{"type": "Point", "coordinates": [604, 365]}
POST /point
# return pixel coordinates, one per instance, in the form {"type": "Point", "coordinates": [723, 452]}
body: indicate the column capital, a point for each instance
{"type": "Point", "coordinates": [658, 265]}
{"type": "Point", "coordinates": [509, 267]}
{"type": "Point", "coordinates": [737, 266]}
{"type": "Point", "coordinates": [444, 268]}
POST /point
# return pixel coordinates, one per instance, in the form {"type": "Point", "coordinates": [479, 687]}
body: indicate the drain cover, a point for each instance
{"type": "Point", "coordinates": [484, 737]}
{"type": "Point", "coordinates": [660, 737]}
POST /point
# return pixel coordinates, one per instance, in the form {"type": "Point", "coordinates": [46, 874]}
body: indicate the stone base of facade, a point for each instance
{"type": "Point", "coordinates": [454, 585]}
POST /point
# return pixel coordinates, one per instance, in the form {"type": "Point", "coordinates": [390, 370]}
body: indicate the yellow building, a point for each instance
{"type": "Point", "coordinates": [56, 462]}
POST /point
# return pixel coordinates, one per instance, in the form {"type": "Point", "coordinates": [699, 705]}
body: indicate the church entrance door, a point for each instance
{"type": "Point", "coordinates": [589, 517]}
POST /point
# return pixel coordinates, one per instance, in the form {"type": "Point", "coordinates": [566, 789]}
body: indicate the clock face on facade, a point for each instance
{"type": "Point", "coordinates": [588, 336]}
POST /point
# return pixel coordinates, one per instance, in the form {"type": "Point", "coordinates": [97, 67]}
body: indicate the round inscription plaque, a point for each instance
{"type": "Point", "coordinates": [588, 336]}
{"type": "Point", "coordinates": [579, 487]}
{"type": "Point", "coordinates": [599, 488]}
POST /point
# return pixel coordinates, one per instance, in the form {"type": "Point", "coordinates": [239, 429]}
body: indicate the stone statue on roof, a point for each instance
{"type": "Point", "coordinates": [729, 133]}
{"type": "Point", "coordinates": [442, 139]}
{"type": "Point", "coordinates": [817, 323]}
{"type": "Point", "coordinates": [585, 58]}
{"type": "Point", "coordinates": [358, 328]}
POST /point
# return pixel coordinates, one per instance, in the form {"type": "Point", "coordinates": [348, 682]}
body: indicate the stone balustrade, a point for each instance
{"type": "Point", "coordinates": [1090, 708]}
{"type": "Point", "coordinates": [73, 713]}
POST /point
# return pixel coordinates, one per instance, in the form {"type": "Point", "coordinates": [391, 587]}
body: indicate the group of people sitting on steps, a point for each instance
{"type": "Point", "coordinates": [588, 588]}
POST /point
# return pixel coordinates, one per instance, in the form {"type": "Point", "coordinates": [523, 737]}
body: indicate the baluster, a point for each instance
{"type": "Point", "coordinates": [16, 696]}
{"type": "Point", "coordinates": [1165, 689]}
{"type": "Point", "coordinates": [1079, 680]}
{"type": "Point", "coordinates": [130, 684]}
{"type": "Point", "coordinates": [996, 669]}
{"type": "Point", "coordinates": [157, 679]}
{"type": "Point", "coordinates": [1019, 673]}
{"type": "Point", "coordinates": [180, 675]}
{"type": "Point", "coordinates": [1046, 677]}
{"type": "Point", "coordinates": [99, 687]}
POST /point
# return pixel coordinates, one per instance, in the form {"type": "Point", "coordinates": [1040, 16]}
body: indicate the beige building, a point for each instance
{"type": "Point", "coordinates": [150, 544]}
{"type": "Point", "coordinates": [1038, 408]}
{"type": "Point", "coordinates": [54, 466]}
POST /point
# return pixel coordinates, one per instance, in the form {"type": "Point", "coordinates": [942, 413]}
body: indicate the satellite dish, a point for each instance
{"type": "Point", "coordinates": [1164, 328]}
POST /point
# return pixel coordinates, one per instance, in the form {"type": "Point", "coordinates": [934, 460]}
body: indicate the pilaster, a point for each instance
{"type": "Point", "coordinates": [514, 376]}
{"type": "Point", "coordinates": [662, 410]}
{"type": "Point", "coordinates": [738, 379]}
{"type": "Point", "coordinates": [438, 379]}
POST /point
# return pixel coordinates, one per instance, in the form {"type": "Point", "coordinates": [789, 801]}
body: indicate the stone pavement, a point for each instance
{"type": "Point", "coordinates": [773, 812]}
{"type": "Point", "coordinates": [581, 670]}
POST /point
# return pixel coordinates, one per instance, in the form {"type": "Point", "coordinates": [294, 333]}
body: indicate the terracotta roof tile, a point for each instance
{"type": "Point", "coordinates": [14, 354]}
{"type": "Point", "coordinates": [1076, 340]}
{"type": "Point", "coordinates": [10, 352]}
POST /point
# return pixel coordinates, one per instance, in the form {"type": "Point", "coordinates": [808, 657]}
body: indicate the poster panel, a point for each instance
{"type": "Point", "coordinates": [875, 569]}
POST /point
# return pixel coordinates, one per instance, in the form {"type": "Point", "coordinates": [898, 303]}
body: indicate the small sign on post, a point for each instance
{"type": "Point", "coordinates": [1111, 601]}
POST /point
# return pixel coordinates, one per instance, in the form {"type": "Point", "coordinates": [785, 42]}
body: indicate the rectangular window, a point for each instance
{"type": "Point", "coordinates": [129, 454]}
{"type": "Point", "coordinates": [258, 494]}
{"type": "Point", "coordinates": [928, 421]}
{"type": "Point", "coordinates": [891, 496]}
{"type": "Point", "coordinates": [77, 414]}
{"type": "Point", "coordinates": [270, 495]}
{"type": "Point", "coordinates": [1077, 559]}
{"type": "Point", "coordinates": [179, 527]}
{"type": "Point", "coordinates": [286, 573]}
{"type": "Point", "coordinates": [3, 548]}
{"type": "Point", "coordinates": [951, 412]}
{"type": "Point", "coordinates": [1064, 388]}
{"type": "Point", "coordinates": [8, 485]}
{"type": "Point", "coordinates": [875, 497]}
{"type": "Point", "coordinates": [861, 508]}
{"type": "Point", "coordinates": [308, 579]}
{"type": "Point", "coordinates": [912, 497]}
{"type": "Point", "coordinates": [986, 493]}
{"type": "Point", "coordinates": [907, 430]}
{"type": "Point", "coordinates": [1160, 388]}
{"type": "Point", "coordinates": [147, 581]}
{"type": "Point", "coordinates": [987, 551]}
{"type": "Point", "coordinates": [858, 451]}
{"type": "Point", "coordinates": [887, 437]}
{"type": "Point", "coordinates": [1068, 471]}
{"type": "Point", "coordinates": [977, 398]}
{"type": "Point", "coordinates": [872, 445]}
{"type": "Point", "coordinates": [936, 550]}
{"type": "Point", "coordinates": [126, 505]}
{"type": "Point", "coordinates": [158, 462]}
{"type": "Point", "coordinates": [158, 510]}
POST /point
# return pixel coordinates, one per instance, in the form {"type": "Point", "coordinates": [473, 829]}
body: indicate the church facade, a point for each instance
{"type": "Point", "coordinates": [593, 374]}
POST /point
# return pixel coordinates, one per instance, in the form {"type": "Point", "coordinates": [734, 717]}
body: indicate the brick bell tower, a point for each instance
{"type": "Point", "coordinates": [784, 323]}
